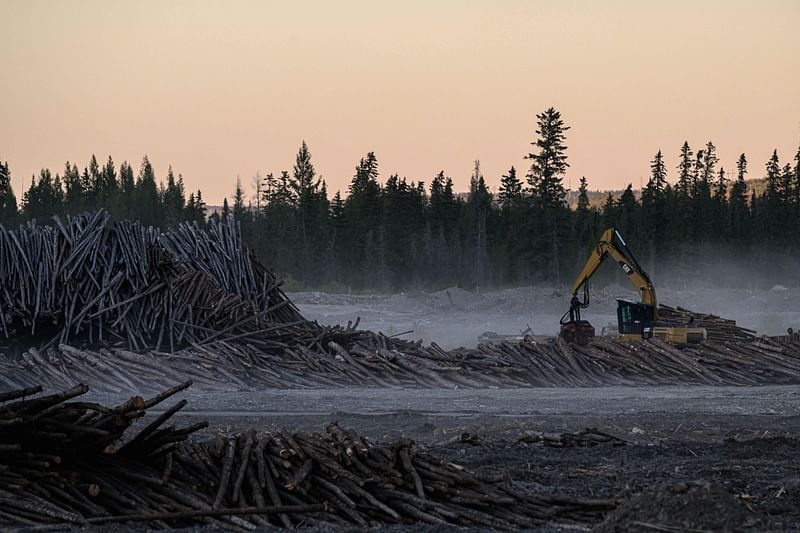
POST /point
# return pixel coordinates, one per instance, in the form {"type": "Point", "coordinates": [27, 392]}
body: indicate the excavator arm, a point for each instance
{"type": "Point", "coordinates": [612, 244]}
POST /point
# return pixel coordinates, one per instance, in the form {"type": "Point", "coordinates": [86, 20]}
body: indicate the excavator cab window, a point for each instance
{"type": "Point", "coordinates": [633, 318]}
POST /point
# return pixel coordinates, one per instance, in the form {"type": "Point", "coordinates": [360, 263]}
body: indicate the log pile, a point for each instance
{"type": "Point", "coordinates": [377, 361]}
{"type": "Point", "coordinates": [719, 329]}
{"type": "Point", "coordinates": [87, 279]}
{"type": "Point", "coordinates": [60, 465]}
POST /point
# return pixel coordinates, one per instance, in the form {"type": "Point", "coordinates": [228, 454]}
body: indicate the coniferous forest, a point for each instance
{"type": "Point", "coordinates": [390, 233]}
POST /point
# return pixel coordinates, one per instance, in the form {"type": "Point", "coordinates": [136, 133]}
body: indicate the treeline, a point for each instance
{"type": "Point", "coordinates": [394, 233]}
{"type": "Point", "coordinates": [124, 194]}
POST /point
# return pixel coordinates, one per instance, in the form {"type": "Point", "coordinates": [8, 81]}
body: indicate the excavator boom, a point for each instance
{"type": "Point", "coordinates": [611, 244]}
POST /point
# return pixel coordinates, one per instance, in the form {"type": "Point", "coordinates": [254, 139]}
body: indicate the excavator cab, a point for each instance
{"type": "Point", "coordinates": [634, 318]}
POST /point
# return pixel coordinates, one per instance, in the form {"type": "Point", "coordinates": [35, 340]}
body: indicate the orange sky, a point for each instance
{"type": "Point", "coordinates": [220, 89]}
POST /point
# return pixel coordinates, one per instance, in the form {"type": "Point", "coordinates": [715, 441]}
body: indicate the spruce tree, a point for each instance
{"type": "Point", "coordinates": [549, 160]}
{"type": "Point", "coordinates": [240, 211]}
{"type": "Point", "coordinates": [74, 197]}
{"type": "Point", "coordinates": [479, 202]}
{"type": "Point", "coordinates": [684, 186]}
{"type": "Point", "coordinates": [147, 207]}
{"type": "Point", "coordinates": [124, 206]}
{"type": "Point", "coordinates": [548, 229]}
{"type": "Point", "coordinates": [739, 210]}
{"type": "Point", "coordinates": [770, 216]}
{"type": "Point", "coordinates": [109, 184]}
{"type": "Point", "coordinates": [309, 204]}
{"type": "Point", "coordinates": [584, 230]}
{"type": "Point", "coordinates": [719, 202]}
{"type": "Point", "coordinates": [510, 190]}
{"type": "Point", "coordinates": [226, 211]}
{"type": "Point", "coordinates": [173, 199]}
{"type": "Point", "coordinates": [653, 207]}
{"type": "Point", "coordinates": [8, 201]}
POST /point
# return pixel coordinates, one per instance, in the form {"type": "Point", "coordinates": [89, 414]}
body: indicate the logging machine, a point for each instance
{"type": "Point", "coordinates": [635, 320]}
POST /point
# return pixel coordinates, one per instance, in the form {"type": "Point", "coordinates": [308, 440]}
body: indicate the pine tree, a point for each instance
{"type": "Point", "coordinates": [195, 208]}
{"type": "Point", "coordinates": [311, 203]}
{"type": "Point", "coordinates": [548, 229]}
{"type": "Point", "coordinates": [240, 211]}
{"type": "Point", "coordinates": [173, 198]}
{"type": "Point", "coordinates": [610, 215]}
{"type": "Point", "coordinates": [584, 232]}
{"type": "Point", "coordinates": [226, 210]}
{"type": "Point", "coordinates": [719, 214]}
{"type": "Point", "coordinates": [110, 186]}
{"type": "Point", "coordinates": [147, 207]}
{"type": "Point", "coordinates": [549, 161]}
{"type": "Point", "coordinates": [92, 183]}
{"type": "Point", "coordinates": [654, 201]}
{"type": "Point", "coordinates": [363, 215]}
{"type": "Point", "coordinates": [74, 197]}
{"type": "Point", "coordinates": [124, 206]}
{"type": "Point", "coordinates": [771, 223]}
{"type": "Point", "coordinates": [628, 215]}
{"type": "Point", "coordinates": [739, 211]}
{"type": "Point", "coordinates": [684, 186]}
{"type": "Point", "coordinates": [479, 202]}
{"type": "Point", "coordinates": [658, 176]}
{"type": "Point", "coordinates": [8, 201]}
{"type": "Point", "coordinates": [510, 191]}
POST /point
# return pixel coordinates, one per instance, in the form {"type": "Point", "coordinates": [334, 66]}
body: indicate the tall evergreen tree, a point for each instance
{"type": "Point", "coordinates": [653, 208]}
{"type": "Point", "coordinates": [8, 201]}
{"type": "Point", "coordinates": [75, 199]}
{"type": "Point", "coordinates": [548, 230]}
{"type": "Point", "coordinates": [584, 230]}
{"type": "Point", "coordinates": [173, 198]}
{"type": "Point", "coordinates": [549, 160]}
{"type": "Point", "coordinates": [147, 205]}
{"type": "Point", "coordinates": [739, 210]}
{"type": "Point", "coordinates": [510, 191]}
{"type": "Point", "coordinates": [311, 203]}
{"type": "Point", "coordinates": [684, 186]}
{"type": "Point", "coordinates": [479, 202]}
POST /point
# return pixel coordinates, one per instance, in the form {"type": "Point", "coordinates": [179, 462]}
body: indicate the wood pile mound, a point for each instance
{"type": "Point", "coordinates": [60, 464]}
{"type": "Point", "coordinates": [377, 361]}
{"type": "Point", "coordinates": [87, 279]}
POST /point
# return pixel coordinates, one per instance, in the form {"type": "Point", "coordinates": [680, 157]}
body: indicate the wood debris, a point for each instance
{"type": "Point", "coordinates": [61, 463]}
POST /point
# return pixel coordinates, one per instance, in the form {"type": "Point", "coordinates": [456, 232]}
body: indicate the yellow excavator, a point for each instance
{"type": "Point", "coordinates": [635, 320]}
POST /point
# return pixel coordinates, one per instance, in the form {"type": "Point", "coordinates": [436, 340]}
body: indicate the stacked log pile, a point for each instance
{"type": "Point", "coordinates": [719, 329]}
{"type": "Point", "coordinates": [87, 279]}
{"type": "Point", "coordinates": [60, 464]}
{"type": "Point", "coordinates": [380, 362]}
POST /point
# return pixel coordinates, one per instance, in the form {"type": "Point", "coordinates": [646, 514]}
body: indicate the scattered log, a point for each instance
{"type": "Point", "coordinates": [74, 478]}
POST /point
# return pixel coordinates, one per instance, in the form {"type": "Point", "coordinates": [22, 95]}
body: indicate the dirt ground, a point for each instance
{"type": "Point", "coordinates": [697, 458]}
